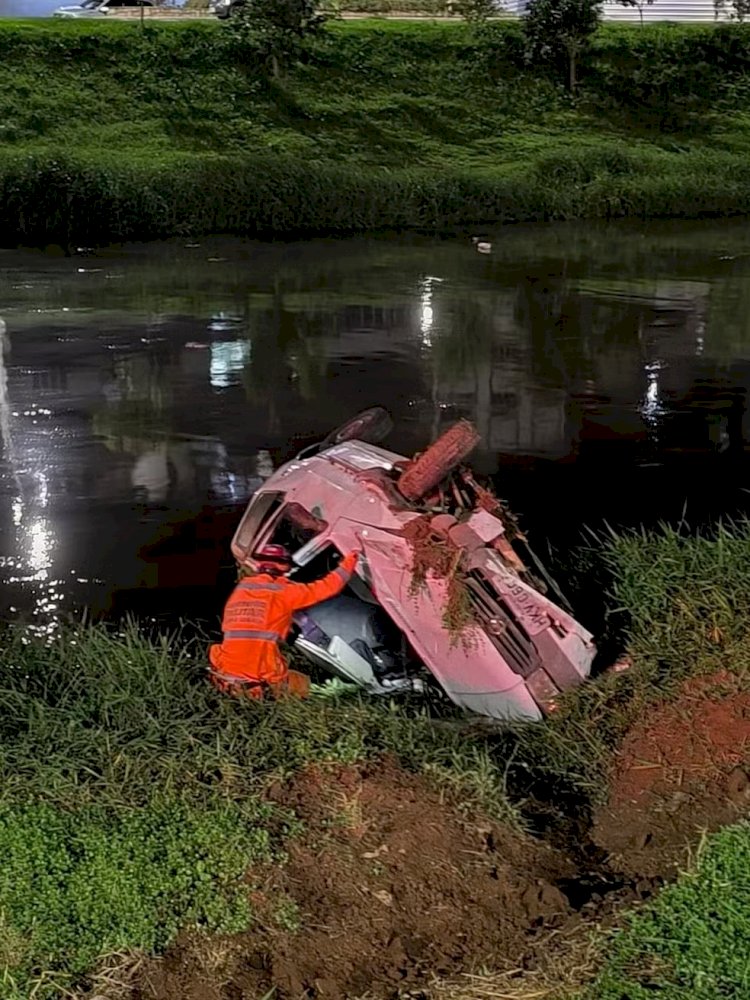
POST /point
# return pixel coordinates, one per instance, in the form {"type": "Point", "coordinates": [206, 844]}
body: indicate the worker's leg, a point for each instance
{"type": "Point", "coordinates": [294, 685]}
{"type": "Point", "coordinates": [299, 684]}
{"type": "Point", "coordinates": [238, 689]}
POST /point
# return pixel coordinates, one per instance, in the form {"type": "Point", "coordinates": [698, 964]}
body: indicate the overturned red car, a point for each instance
{"type": "Point", "coordinates": [442, 595]}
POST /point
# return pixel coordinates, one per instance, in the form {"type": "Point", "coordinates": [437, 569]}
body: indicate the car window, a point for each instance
{"type": "Point", "coordinates": [262, 509]}
{"type": "Point", "coordinates": [296, 527]}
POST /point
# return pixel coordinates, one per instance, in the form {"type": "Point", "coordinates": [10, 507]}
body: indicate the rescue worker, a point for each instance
{"type": "Point", "coordinates": [258, 615]}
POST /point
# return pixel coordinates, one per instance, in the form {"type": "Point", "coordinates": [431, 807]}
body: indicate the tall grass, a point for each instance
{"type": "Point", "coordinates": [678, 602]}
{"type": "Point", "coordinates": [96, 717]}
{"type": "Point", "coordinates": [46, 198]}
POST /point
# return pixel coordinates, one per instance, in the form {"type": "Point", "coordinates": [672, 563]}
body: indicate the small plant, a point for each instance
{"type": "Point", "coordinates": [286, 915]}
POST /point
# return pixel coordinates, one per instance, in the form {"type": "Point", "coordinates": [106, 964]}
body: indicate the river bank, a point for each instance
{"type": "Point", "coordinates": [188, 842]}
{"type": "Point", "coordinates": [112, 132]}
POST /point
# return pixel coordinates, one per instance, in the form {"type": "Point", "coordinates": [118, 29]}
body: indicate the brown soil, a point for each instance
{"type": "Point", "coordinates": [392, 886]}
{"type": "Point", "coordinates": [681, 771]}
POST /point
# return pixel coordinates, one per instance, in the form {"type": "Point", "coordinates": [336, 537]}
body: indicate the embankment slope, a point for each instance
{"type": "Point", "coordinates": [110, 131]}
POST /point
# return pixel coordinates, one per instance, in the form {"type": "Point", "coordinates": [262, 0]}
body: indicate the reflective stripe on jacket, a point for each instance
{"type": "Point", "coordinates": [258, 615]}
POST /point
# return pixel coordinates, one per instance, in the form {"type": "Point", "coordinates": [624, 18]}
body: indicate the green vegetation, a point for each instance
{"type": "Point", "coordinates": [272, 33]}
{"type": "Point", "coordinates": [680, 604]}
{"type": "Point", "coordinates": [97, 718]}
{"type": "Point", "coordinates": [174, 129]}
{"type": "Point", "coordinates": [561, 30]}
{"type": "Point", "coordinates": [131, 793]}
{"type": "Point", "coordinates": [75, 886]}
{"type": "Point", "coordinates": [690, 942]}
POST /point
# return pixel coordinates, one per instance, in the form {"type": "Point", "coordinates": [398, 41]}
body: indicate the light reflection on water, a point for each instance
{"type": "Point", "coordinates": [605, 369]}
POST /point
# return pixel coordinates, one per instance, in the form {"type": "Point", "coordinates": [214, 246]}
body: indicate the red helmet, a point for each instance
{"type": "Point", "coordinates": [273, 558]}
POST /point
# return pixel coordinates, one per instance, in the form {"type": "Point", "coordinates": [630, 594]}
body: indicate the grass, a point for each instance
{"type": "Point", "coordinates": [679, 602]}
{"type": "Point", "coordinates": [689, 943]}
{"type": "Point", "coordinates": [100, 718]}
{"type": "Point", "coordinates": [78, 885]}
{"type": "Point", "coordinates": [168, 130]}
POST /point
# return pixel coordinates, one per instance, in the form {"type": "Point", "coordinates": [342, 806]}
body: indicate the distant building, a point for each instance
{"type": "Point", "coordinates": [660, 10]}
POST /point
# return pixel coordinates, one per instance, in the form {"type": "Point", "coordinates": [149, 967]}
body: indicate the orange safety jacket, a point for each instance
{"type": "Point", "coordinates": [258, 615]}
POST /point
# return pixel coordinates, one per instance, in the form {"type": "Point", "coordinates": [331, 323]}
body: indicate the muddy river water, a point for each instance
{"type": "Point", "coordinates": [146, 390]}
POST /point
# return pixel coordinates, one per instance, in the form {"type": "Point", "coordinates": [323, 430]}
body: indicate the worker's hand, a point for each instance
{"type": "Point", "coordinates": [350, 561]}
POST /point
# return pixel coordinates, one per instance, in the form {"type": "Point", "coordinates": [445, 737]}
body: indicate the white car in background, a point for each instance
{"type": "Point", "coordinates": [224, 8]}
{"type": "Point", "coordinates": [99, 8]}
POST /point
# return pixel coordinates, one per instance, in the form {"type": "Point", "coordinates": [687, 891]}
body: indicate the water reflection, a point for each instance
{"type": "Point", "coordinates": [605, 369]}
{"type": "Point", "coordinates": [33, 537]}
{"type": "Point", "coordinates": [228, 360]}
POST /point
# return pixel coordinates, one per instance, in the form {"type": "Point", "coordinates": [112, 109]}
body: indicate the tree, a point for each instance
{"type": "Point", "coordinates": [476, 12]}
{"type": "Point", "coordinates": [738, 9]}
{"type": "Point", "coordinates": [556, 29]}
{"type": "Point", "coordinates": [274, 30]}
{"type": "Point", "coordinates": [640, 4]}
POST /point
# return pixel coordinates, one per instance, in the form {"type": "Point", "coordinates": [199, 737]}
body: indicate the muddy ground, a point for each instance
{"type": "Point", "coordinates": [389, 885]}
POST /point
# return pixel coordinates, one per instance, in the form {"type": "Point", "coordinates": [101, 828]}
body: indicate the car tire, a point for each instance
{"type": "Point", "coordinates": [424, 473]}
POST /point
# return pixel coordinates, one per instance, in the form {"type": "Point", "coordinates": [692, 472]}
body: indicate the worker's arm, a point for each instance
{"type": "Point", "coordinates": [304, 595]}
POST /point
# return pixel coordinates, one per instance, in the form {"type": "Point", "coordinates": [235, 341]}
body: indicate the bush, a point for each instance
{"type": "Point", "coordinates": [666, 75]}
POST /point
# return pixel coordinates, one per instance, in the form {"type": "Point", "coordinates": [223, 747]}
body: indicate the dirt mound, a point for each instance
{"type": "Point", "coordinates": [681, 770]}
{"type": "Point", "coordinates": [388, 885]}
{"type": "Point", "coordinates": [391, 886]}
